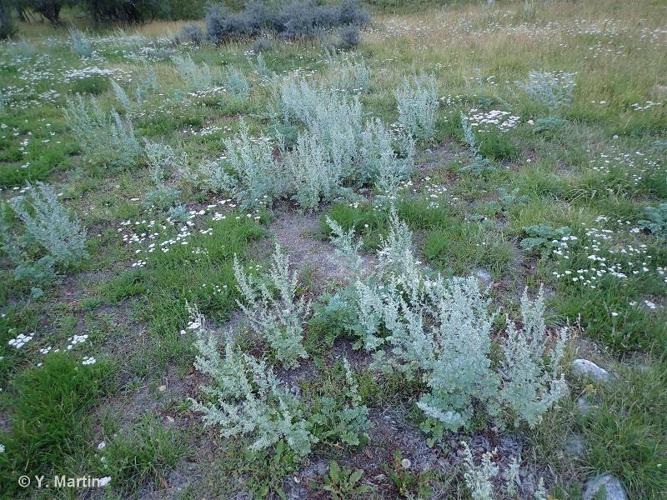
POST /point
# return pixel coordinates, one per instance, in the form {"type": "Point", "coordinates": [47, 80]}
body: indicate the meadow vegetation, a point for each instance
{"type": "Point", "coordinates": [304, 249]}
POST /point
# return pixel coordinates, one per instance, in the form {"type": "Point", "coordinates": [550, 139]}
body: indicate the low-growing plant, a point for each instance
{"type": "Point", "coordinates": [162, 162]}
{"type": "Point", "coordinates": [245, 397]}
{"type": "Point", "coordinates": [479, 164]}
{"type": "Point", "coordinates": [542, 237]}
{"type": "Point", "coordinates": [479, 478]}
{"type": "Point", "coordinates": [346, 246]}
{"type": "Point", "coordinates": [656, 221]}
{"type": "Point", "coordinates": [342, 419]}
{"type": "Point", "coordinates": [417, 101]}
{"type": "Point", "coordinates": [121, 96]}
{"type": "Point", "coordinates": [48, 416]}
{"type": "Point", "coordinates": [277, 319]}
{"type": "Point", "coordinates": [47, 222]}
{"type": "Point", "coordinates": [342, 483]}
{"type": "Point", "coordinates": [237, 83]}
{"type": "Point", "coordinates": [146, 452]}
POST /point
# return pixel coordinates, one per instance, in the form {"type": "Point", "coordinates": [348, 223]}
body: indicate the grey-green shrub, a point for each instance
{"type": "Point", "coordinates": [440, 331]}
{"type": "Point", "coordinates": [380, 162]}
{"type": "Point", "coordinates": [417, 101]}
{"type": "Point", "coordinates": [656, 221]}
{"type": "Point", "coordinates": [478, 478]}
{"type": "Point", "coordinates": [272, 309]}
{"type": "Point", "coordinates": [51, 225]}
{"type": "Point", "coordinates": [163, 161]}
{"type": "Point", "coordinates": [196, 76]}
{"type": "Point", "coordinates": [256, 177]}
{"type": "Point", "coordinates": [551, 89]}
{"type": "Point", "coordinates": [532, 381]}
{"type": "Point", "coordinates": [245, 398]}
{"type": "Point", "coordinates": [105, 138]}
{"type": "Point", "coordinates": [352, 76]}
{"type": "Point", "coordinates": [313, 177]}
{"type": "Point", "coordinates": [81, 45]}
{"type": "Point", "coordinates": [237, 84]}
{"type": "Point", "coordinates": [346, 246]}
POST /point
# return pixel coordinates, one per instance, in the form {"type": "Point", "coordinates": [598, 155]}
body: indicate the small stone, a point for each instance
{"type": "Point", "coordinates": [604, 483]}
{"type": "Point", "coordinates": [170, 419]}
{"type": "Point", "coordinates": [586, 368]}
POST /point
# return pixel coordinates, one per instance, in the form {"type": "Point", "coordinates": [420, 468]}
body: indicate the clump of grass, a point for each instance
{"type": "Point", "coordinates": [625, 433]}
{"type": "Point", "coordinates": [48, 411]}
{"type": "Point", "coordinates": [146, 452]}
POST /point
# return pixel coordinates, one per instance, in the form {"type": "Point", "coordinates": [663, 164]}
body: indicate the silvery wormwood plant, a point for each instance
{"type": "Point", "coordinates": [532, 378]}
{"type": "Point", "coordinates": [440, 331]}
{"type": "Point", "coordinates": [346, 246]}
{"type": "Point", "coordinates": [49, 223]}
{"type": "Point", "coordinates": [417, 101]}
{"type": "Point", "coordinates": [106, 138]}
{"type": "Point", "coordinates": [257, 179]}
{"type": "Point", "coordinates": [380, 163]}
{"type": "Point", "coordinates": [312, 176]}
{"type": "Point", "coordinates": [551, 89]}
{"type": "Point", "coordinates": [273, 310]}
{"type": "Point", "coordinates": [196, 76]}
{"type": "Point", "coordinates": [244, 397]}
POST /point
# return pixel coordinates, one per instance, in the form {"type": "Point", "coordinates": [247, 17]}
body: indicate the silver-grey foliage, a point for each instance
{"type": "Point", "coordinates": [50, 224]}
{"type": "Point", "coordinates": [417, 100]}
{"type": "Point", "coordinates": [272, 309]}
{"type": "Point", "coordinates": [106, 138]}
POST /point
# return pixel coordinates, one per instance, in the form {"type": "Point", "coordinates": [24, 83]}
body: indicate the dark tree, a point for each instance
{"type": "Point", "coordinates": [7, 26]}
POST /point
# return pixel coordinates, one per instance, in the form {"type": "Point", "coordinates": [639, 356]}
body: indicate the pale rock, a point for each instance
{"type": "Point", "coordinates": [611, 486]}
{"type": "Point", "coordinates": [588, 369]}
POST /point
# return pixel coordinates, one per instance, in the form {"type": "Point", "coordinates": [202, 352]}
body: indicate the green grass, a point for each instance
{"type": "Point", "coordinates": [464, 246]}
{"type": "Point", "coordinates": [626, 434]}
{"type": "Point", "coordinates": [146, 452]}
{"type": "Point", "coordinates": [49, 417]}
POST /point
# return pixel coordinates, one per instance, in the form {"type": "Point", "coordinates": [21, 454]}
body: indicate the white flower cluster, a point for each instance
{"type": "Point", "coordinates": [20, 340]}
{"type": "Point", "coordinates": [75, 340]}
{"type": "Point", "coordinates": [610, 256]}
{"type": "Point", "coordinates": [484, 121]}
